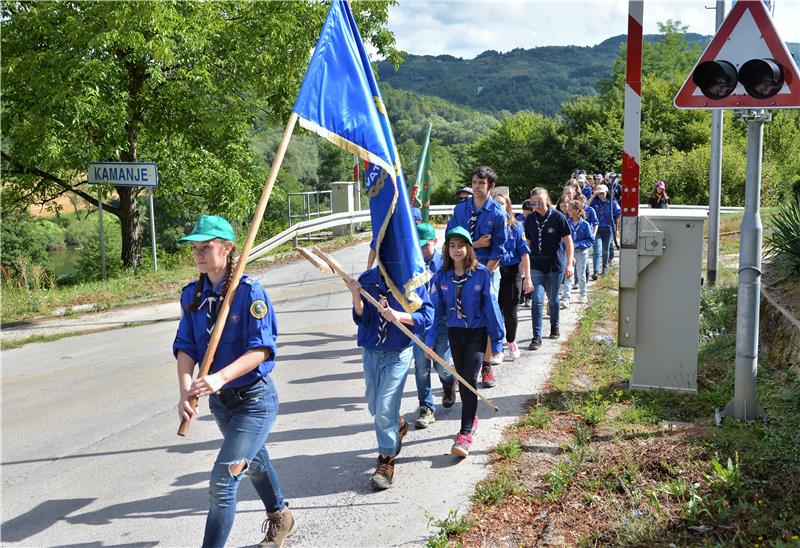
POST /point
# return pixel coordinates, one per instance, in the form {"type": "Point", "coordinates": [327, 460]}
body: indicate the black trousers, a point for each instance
{"type": "Point", "coordinates": [508, 298]}
{"type": "Point", "coordinates": [467, 346]}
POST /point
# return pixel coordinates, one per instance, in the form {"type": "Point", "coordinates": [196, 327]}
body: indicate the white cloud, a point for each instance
{"type": "Point", "coordinates": [467, 28]}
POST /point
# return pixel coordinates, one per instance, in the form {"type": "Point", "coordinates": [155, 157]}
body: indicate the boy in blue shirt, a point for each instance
{"type": "Point", "coordinates": [485, 222]}
{"type": "Point", "coordinates": [387, 356]}
{"type": "Point", "coordinates": [422, 364]}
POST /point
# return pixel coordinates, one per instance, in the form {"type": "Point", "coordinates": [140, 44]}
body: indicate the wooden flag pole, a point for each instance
{"type": "Point", "coordinates": [329, 265]}
{"type": "Point", "coordinates": [222, 317]}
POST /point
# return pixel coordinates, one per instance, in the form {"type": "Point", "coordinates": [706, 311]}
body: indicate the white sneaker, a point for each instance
{"type": "Point", "coordinates": [584, 299]}
{"type": "Point", "coordinates": [563, 305]}
{"type": "Point", "coordinates": [513, 351]}
{"type": "Point", "coordinates": [497, 359]}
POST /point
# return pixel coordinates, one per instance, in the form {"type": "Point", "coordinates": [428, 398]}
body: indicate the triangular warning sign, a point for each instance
{"type": "Point", "coordinates": [747, 33]}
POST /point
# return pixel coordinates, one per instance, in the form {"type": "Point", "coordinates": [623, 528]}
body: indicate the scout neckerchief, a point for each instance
{"type": "Point", "coordinates": [459, 282]}
{"type": "Point", "coordinates": [383, 323]}
{"type": "Point", "coordinates": [211, 303]}
{"type": "Point", "coordinates": [473, 220]}
{"type": "Point", "coordinates": [540, 227]}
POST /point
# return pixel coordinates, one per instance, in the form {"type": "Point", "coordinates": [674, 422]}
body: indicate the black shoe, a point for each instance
{"type": "Point", "coordinates": [603, 273]}
{"type": "Point", "coordinates": [536, 343]}
{"type": "Point", "coordinates": [594, 277]}
{"type": "Point", "coordinates": [554, 333]}
{"type": "Point", "coordinates": [449, 395]}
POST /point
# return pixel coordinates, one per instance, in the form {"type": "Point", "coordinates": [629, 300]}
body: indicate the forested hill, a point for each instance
{"type": "Point", "coordinates": [537, 79]}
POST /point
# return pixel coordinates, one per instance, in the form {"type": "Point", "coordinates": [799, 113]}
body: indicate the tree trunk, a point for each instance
{"type": "Point", "coordinates": [131, 227]}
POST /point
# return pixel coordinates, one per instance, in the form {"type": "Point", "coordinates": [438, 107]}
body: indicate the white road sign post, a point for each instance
{"type": "Point", "coordinates": [746, 67]}
{"type": "Point", "coordinates": [124, 174]}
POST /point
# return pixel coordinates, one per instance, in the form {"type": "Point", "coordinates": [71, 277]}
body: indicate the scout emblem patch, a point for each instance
{"type": "Point", "coordinates": [258, 309]}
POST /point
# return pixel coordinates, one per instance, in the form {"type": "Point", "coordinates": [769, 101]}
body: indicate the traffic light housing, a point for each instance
{"type": "Point", "coordinates": [761, 78]}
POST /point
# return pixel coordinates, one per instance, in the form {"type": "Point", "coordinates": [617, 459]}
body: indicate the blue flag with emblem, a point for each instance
{"type": "Point", "coordinates": [340, 101]}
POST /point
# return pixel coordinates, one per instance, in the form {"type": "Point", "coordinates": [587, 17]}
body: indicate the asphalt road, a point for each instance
{"type": "Point", "coordinates": [90, 455]}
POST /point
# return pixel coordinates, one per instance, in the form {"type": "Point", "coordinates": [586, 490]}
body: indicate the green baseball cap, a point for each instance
{"type": "Point", "coordinates": [426, 233]}
{"type": "Point", "coordinates": [461, 232]}
{"type": "Point", "coordinates": [209, 227]}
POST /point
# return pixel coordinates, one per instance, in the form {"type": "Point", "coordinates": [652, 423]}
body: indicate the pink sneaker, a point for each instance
{"type": "Point", "coordinates": [462, 445]}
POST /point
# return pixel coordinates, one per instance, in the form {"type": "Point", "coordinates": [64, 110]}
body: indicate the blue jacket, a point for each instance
{"type": "Point", "coordinates": [491, 220]}
{"type": "Point", "coordinates": [251, 324]}
{"type": "Point", "coordinates": [582, 234]}
{"type": "Point", "coordinates": [479, 304]}
{"type": "Point", "coordinates": [369, 321]}
{"type": "Point", "coordinates": [515, 247]}
{"type": "Point", "coordinates": [605, 210]}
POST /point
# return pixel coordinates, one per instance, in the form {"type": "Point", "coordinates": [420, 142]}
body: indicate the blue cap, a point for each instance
{"type": "Point", "coordinates": [417, 214]}
{"type": "Point", "coordinates": [209, 227]}
{"type": "Point", "coordinates": [461, 232]}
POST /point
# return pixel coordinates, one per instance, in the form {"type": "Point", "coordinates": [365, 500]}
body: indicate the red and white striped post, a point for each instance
{"type": "Point", "coordinates": [629, 253]}
{"type": "Point", "coordinates": [631, 156]}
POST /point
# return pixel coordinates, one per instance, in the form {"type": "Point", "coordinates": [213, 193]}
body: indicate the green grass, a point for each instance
{"type": "Point", "coordinates": [510, 449]}
{"type": "Point", "coordinates": [452, 525]}
{"type": "Point", "coordinates": [538, 416]}
{"type": "Point", "coordinates": [495, 489]}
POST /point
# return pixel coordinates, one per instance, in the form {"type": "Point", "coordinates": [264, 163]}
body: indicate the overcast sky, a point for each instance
{"type": "Point", "coordinates": [466, 28]}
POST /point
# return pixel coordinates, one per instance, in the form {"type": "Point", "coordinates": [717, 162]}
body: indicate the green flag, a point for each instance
{"type": "Point", "coordinates": [420, 191]}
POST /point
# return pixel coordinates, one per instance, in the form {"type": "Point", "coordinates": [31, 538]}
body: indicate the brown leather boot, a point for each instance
{"type": "Point", "coordinates": [278, 526]}
{"type": "Point", "coordinates": [384, 473]}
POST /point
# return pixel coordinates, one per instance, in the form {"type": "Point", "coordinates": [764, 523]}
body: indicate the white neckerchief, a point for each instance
{"type": "Point", "coordinates": [540, 227]}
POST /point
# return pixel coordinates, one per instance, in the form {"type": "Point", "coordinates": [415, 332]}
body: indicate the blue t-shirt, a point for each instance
{"type": "Point", "coordinates": [466, 302]}
{"type": "Point", "coordinates": [544, 233]}
{"type": "Point", "coordinates": [375, 334]}
{"type": "Point", "coordinates": [489, 219]}
{"type": "Point", "coordinates": [251, 324]}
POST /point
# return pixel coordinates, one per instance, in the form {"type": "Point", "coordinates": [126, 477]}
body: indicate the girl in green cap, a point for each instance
{"type": "Point", "coordinates": [242, 395]}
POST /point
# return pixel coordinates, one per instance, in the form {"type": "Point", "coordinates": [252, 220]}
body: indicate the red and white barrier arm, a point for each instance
{"type": "Point", "coordinates": [631, 156]}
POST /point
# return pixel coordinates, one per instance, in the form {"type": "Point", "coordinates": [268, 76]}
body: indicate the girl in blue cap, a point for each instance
{"type": "Point", "coordinates": [464, 301]}
{"type": "Point", "coordinates": [242, 396]}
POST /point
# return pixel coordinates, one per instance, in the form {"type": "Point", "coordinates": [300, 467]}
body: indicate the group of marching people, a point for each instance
{"type": "Point", "coordinates": [490, 258]}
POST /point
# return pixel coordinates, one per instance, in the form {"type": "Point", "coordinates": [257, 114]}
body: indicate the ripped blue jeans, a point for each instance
{"type": "Point", "coordinates": [245, 417]}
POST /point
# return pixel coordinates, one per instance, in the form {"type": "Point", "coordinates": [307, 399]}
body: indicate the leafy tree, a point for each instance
{"type": "Point", "coordinates": [177, 83]}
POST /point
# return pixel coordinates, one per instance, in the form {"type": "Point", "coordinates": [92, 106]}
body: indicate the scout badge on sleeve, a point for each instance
{"type": "Point", "coordinates": [258, 309]}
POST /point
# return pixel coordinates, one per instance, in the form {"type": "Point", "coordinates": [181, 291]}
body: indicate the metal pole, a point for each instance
{"type": "Point", "coordinates": [102, 234]}
{"type": "Point", "coordinates": [153, 229]}
{"type": "Point", "coordinates": [715, 180]}
{"type": "Point", "coordinates": [744, 405]}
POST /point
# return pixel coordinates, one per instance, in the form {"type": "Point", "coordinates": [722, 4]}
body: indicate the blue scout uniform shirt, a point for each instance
{"type": "Point", "coordinates": [515, 246]}
{"type": "Point", "coordinates": [433, 266]}
{"type": "Point", "coordinates": [479, 307]}
{"type": "Point", "coordinates": [604, 211]}
{"type": "Point", "coordinates": [591, 217]}
{"type": "Point", "coordinates": [582, 233]}
{"type": "Point", "coordinates": [587, 190]}
{"type": "Point", "coordinates": [544, 234]}
{"type": "Point", "coordinates": [376, 333]}
{"type": "Point", "coordinates": [491, 219]}
{"type": "Point", "coordinates": [251, 324]}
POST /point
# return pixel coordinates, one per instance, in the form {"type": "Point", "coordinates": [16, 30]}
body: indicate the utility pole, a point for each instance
{"type": "Point", "coordinates": [715, 180]}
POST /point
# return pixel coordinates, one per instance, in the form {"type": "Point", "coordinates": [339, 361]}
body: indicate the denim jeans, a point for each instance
{"type": "Point", "coordinates": [497, 346]}
{"type": "Point", "coordinates": [385, 376]}
{"type": "Point", "coordinates": [566, 286]}
{"type": "Point", "coordinates": [468, 346]}
{"type": "Point", "coordinates": [245, 419]}
{"type": "Point", "coordinates": [422, 369]}
{"type": "Point", "coordinates": [581, 268]}
{"type": "Point", "coordinates": [544, 282]}
{"type": "Point", "coordinates": [602, 242]}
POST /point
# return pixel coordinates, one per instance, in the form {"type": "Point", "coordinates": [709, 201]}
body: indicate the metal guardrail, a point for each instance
{"type": "Point", "coordinates": [350, 218]}
{"type": "Point", "coordinates": [307, 227]}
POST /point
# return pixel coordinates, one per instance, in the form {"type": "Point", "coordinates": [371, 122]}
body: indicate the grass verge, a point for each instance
{"type": "Point", "coordinates": [604, 465]}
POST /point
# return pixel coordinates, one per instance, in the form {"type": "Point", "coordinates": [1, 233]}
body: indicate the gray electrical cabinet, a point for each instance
{"type": "Point", "coordinates": [659, 298]}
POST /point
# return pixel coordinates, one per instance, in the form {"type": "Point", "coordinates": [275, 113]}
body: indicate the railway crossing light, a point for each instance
{"type": "Point", "coordinates": [762, 78]}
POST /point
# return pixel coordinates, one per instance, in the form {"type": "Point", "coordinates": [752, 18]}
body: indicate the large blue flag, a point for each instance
{"type": "Point", "coordinates": [340, 101]}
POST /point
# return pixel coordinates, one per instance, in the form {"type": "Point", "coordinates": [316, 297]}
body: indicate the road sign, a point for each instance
{"type": "Point", "coordinates": [745, 66]}
{"type": "Point", "coordinates": [123, 174]}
